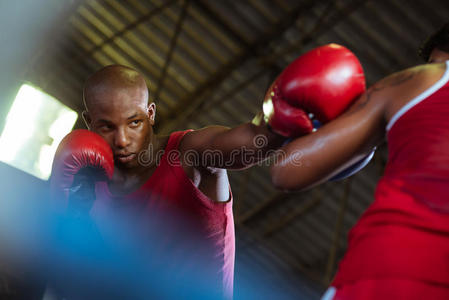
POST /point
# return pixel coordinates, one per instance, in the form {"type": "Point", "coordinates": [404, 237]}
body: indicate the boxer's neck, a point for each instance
{"type": "Point", "coordinates": [127, 180]}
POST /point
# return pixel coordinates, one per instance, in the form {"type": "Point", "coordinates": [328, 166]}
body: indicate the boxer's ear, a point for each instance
{"type": "Point", "coordinates": [151, 111]}
{"type": "Point", "coordinates": [86, 118]}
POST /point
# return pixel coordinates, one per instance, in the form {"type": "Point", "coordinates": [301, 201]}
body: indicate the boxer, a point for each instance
{"type": "Point", "coordinates": [399, 248]}
{"type": "Point", "coordinates": [154, 175]}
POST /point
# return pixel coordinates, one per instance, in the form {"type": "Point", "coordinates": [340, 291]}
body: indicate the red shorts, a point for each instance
{"type": "Point", "coordinates": [387, 289]}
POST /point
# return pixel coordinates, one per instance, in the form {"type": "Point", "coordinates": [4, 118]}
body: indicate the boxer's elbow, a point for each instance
{"type": "Point", "coordinates": [283, 179]}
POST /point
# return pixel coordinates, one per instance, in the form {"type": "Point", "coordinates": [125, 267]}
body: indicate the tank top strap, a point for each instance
{"type": "Point", "coordinates": [175, 138]}
{"type": "Point", "coordinates": [424, 95]}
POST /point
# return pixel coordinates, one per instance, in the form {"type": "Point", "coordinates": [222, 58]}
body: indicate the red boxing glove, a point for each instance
{"type": "Point", "coordinates": [82, 158]}
{"type": "Point", "coordinates": [321, 84]}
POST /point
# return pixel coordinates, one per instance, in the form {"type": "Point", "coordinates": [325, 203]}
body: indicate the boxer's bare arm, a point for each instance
{"type": "Point", "coordinates": [312, 159]}
{"type": "Point", "coordinates": [231, 148]}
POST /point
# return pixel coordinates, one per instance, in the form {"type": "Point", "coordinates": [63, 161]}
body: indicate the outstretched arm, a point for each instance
{"type": "Point", "coordinates": [319, 85]}
{"type": "Point", "coordinates": [231, 148]}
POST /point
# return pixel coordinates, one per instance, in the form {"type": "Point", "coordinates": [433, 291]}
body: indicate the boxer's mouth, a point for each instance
{"type": "Point", "coordinates": [124, 158]}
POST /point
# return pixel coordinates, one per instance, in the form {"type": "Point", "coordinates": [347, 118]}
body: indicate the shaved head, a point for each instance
{"type": "Point", "coordinates": [113, 78]}
{"type": "Point", "coordinates": [118, 109]}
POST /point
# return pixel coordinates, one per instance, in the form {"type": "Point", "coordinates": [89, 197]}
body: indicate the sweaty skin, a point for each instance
{"type": "Point", "coordinates": [312, 159]}
{"type": "Point", "coordinates": [118, 108]}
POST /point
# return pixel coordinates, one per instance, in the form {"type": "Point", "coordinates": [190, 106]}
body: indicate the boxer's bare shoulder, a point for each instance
{"type": "Point", "coordinates": [394, 91]}
{"type": "Point", "coordinates": [402, 87]}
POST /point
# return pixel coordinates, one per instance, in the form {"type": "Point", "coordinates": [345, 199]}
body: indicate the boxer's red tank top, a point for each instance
{"type": "Point", "coordinates": [405, 231]}
{"type": "Point", "coordinates": [170, 188]}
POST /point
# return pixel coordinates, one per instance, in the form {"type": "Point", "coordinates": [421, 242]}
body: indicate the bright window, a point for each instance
{"type": "Point", "coordinates": [35, 125]}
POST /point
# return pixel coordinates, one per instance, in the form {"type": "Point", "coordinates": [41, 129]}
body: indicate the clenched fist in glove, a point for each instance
{"type": "Point", "coordinates": [82, 158]}
{"type": "Point", "coordinates": [319, 85]}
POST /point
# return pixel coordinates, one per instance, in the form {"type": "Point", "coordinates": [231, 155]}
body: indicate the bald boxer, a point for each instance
{"type": "Point", "coordinates": [399, 249]}
{"type": "Point", "coordinates": [159, 179]}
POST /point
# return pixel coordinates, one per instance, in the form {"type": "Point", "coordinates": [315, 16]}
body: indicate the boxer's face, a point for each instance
{"type": "Point", "coordinates": [123, 117]}
{"type": "Point", "coordinates": [438, 56]}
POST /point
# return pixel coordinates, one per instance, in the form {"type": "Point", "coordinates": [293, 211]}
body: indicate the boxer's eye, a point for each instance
{"type": "Point", "coordinates": [135, 123]}
{"type": "Point", "coordinates": [105, 127]}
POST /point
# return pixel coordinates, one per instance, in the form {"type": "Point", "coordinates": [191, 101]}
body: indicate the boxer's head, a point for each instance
{"type": "Point", "coordinates": [436, 47]}
{"type": "Point", "coordinates": [117, 107]}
